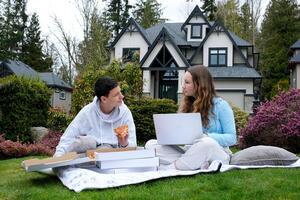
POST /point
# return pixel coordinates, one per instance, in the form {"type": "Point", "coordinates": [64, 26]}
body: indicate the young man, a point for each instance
{"type": "Point", "coordinates": [94, 125]}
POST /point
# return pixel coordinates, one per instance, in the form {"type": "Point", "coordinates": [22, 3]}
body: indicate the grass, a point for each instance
{"type": "Point", "coordinates": [15, 183]}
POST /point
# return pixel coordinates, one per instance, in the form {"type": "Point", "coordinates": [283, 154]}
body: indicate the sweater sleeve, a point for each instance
{"type": "Point", "coordinates": [227, 135]}
{"type": "Point", "coordinates": [69, 136]}
{"type": "Point", "coordinates": [128, 119]}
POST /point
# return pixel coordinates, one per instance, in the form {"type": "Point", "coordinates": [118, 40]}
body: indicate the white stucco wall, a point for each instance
{"type": "Point", "coordinates": [64, 104]}
{"type": "Point", "coordinates": [218, 41]}
{"type": "Point", "coordinates": [246, 85]}
{"type": "Point", "coordinates": [131, 40]}
{"type": "Point", "coordinates": [152, 55]}
{"type": "Point", "coordinates": [235, 98]}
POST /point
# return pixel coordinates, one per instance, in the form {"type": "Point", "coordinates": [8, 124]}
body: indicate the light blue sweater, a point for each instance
{"type": "Point", "coordinates": [221, 123]}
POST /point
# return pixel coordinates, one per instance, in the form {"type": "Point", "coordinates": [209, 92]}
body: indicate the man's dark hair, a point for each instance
{"type": "Point", "coordinates": [104, 85]}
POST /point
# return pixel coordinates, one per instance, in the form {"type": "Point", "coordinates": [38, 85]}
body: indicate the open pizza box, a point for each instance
{"type": "Point", "coordinates": [71, 158]}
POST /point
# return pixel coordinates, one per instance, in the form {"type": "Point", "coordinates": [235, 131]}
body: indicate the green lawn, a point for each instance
{"type": "Point", "coordinates": [15, 183]}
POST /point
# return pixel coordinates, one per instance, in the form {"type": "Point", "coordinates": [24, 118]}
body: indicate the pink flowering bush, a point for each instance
{"type": "Point", "coordinates": [11, 149]}
{"type": "Point", "coordinates": [277, 123]}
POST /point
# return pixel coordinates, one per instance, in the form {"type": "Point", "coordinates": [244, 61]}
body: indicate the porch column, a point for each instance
{"type": "Point", "coordinates": [146, 82]}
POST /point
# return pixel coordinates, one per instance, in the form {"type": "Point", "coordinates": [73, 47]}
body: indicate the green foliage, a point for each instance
{"type": "Point", "coordinates": [83, 90]}
{"type": "Point", "coordinates": [58, 120]}
{"type": "Point", "coordinates": [24, 103]}
{"type": "Point", "coordinates": [277, 35]}
{"type": "Point", "coordinates": [147, 13]}
{"type": "Point", "coordinates": [241, 118]}
{"type": "Point", "coordinates": [143, 109]}
{"type": "Point", "coordinates": [282, 85]}
{"type": "Point", "coordinates": [129, 77]}
{"type": "Point", "coordinates": [93, 50]}
{"type": "Point", "coordinates": [117, 14]}
{"type": "Point", "coordinates": [32, 50]}
{"type": "Point", "coordinates": [209, 8]}
{"type": "Point", "coordinates": [228, 14]}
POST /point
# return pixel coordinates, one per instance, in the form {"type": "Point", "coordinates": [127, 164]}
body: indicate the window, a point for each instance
{"type": "Point", "coordinates": [196, 31]}
{"type": "Point", "coordinates": [131, 54]}
{"type": "Point", "coordinates": [218, 57]}
{"type": "Point", "coordinates": [62, 95]}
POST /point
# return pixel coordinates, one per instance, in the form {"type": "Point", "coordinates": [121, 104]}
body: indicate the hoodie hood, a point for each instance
{"type": "Point", "coordinates": [114, 116]}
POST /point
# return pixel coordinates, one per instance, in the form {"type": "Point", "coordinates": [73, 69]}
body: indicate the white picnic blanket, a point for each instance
{"type": "Point", "coordinates": [79, 179]}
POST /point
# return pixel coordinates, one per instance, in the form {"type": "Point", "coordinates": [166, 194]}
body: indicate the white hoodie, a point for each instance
{"type": "Point", "coordinates": [89, 121]}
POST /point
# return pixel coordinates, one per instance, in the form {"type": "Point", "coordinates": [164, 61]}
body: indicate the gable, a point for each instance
{"type": "Point", "coordinates": [219, 37]}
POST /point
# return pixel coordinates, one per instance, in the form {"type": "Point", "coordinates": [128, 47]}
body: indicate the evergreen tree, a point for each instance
{"type": "Point", "coordinates": [209, 8]}
{"type": "Point", "coordinates": [280, 29]}
{"type": "Point", "coordinates": [228, 14]}
{"type": "Point", "coordinates": [32, 53]}
{"type": "Point", "coordinates": [117, 13]}
{"type": "Point", "coordinates": [147, 12]}
{"type": "Point", "coordinates": [246, 24]}
{"type": "Point", "coordinates": [13, 27]}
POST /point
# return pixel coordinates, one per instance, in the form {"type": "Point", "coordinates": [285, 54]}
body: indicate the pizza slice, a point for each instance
{"type": "Point", "coordinates": [121, 131]}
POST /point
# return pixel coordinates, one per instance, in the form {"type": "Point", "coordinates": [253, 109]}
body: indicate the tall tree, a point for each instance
{"type": "Point", "coordinates": [209, 8]}
{"type": "Point", "coordinates": [13, 27]}
{"type": "Point", "coordinates": [32, 50]}
{"type": "Point", "coordinates": [280, 29]}
{"type": "Point", "coordinates": [93, 51]}
{"type": "Point", "coordinates": [245, 21]}
{"type": "Point", "coordinates": [147, 12]}
{"type": "Point", "coordinates": [228, 14]}
{"type": "Point", "coordinates": [117, 13]}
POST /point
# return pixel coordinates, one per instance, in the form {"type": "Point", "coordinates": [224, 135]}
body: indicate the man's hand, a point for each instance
{"type": "Point", "coordinates": [122, 135]}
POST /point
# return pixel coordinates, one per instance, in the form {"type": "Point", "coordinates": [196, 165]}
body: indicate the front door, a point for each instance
{"type": "Point", "coordinates": [168, 84]}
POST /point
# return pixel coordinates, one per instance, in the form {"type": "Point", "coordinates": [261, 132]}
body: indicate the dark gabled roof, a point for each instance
{"type": "Point", "coordinates": [164, 34]}
{"type": "Point", "coordinates": [296, 45]}
{"type": "Point", "coordinates": [174, 30]}
{"type": "Point", "coordinates": [219, 27]}
{"type": "Point", "coordinates": [295, 58]}
{"type": "Point", "coordinates": [239, 41]}
{"type": "Point", "coordinates": [130, 22]}
{"type": "Point", "coordinates": [20, 69]}
{"type": "Point", "coordinates": [53, 81]}
{"type": "Point", "coordinates": [196, 12]}
{"type": "Point", "coordinates": [233, 72]}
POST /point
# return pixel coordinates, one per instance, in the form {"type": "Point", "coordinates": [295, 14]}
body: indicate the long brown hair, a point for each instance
{"type": "Point", "coordinates": [204, 93]}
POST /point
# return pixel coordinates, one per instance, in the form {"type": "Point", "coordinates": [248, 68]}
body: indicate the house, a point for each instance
{"type": "Point", "coordinates": [166, 50]}
{"type": "Point", "coordinates": [61, 91]}
{"type": "Point", "coordinates": [294, 65]}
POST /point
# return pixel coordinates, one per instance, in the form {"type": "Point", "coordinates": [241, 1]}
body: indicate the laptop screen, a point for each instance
{"type": "Point", "coordinates": [177, 128]}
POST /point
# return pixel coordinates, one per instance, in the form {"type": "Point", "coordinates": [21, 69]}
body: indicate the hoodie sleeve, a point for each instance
{"type": "Point", "coordinates": [227, 135]}
{"type": "Point", "coordinates": [128, 119]}
{"type": "Point", "coordinates": [69, 135]}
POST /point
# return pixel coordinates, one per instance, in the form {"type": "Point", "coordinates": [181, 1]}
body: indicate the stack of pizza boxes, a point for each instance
{"type": "Point", "coordinates": [134, 159]}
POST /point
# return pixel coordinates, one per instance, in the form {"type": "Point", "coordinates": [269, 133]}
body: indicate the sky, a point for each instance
{"type": "Point", "coordinates": [67, 13]}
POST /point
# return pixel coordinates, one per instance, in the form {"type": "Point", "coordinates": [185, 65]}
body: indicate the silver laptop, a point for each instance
{"type": "Point", "coordinates": [177, 128]}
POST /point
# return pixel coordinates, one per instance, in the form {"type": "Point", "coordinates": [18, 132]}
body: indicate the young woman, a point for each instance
{"type": "Point", "coordinates": [199, 95]}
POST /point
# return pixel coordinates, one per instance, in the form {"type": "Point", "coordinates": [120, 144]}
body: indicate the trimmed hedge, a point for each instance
{"type": "Point", "coordinates": [24, 103]}
{"type": "Point", "coordinates": [241, 119]}
{"type": "Point", "coordinates": [143, 109]}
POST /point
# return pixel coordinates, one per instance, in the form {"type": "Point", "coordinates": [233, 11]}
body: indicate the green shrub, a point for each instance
{"type": "Point", "coordinates": [24, 103]}
{"type": "Point", "coordinates": [241, 118]}
{"type": "Point", "coordinates": [129, 77]}
{"type": "Point", "coordinates": [143, 109]}
{"type": "Point", "coordinates": [58, 120]}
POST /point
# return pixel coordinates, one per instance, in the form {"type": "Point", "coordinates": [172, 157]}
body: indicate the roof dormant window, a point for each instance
{"type": "Point", "coordinates": [196, 31]}
{"type": "Point", "coordinates": [217, 57]}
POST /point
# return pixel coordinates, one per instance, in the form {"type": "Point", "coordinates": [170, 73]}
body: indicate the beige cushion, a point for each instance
{"type": "Point", "coordinates": [263, 155]}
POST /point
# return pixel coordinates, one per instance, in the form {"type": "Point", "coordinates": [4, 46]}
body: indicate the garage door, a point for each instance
{"type": "Point", "coordinates": [235, 98]}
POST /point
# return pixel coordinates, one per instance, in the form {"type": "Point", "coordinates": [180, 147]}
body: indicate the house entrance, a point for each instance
{"type": "Point", "coordinates": [168, 84]}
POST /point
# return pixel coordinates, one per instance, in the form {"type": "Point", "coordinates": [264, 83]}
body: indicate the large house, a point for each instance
{"type": "Point", "coordinates": [61, 91]}
{"type": "Point", "coordinates": [294, 65]}
{"type": "Point", "coordinates": [166, 50]}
